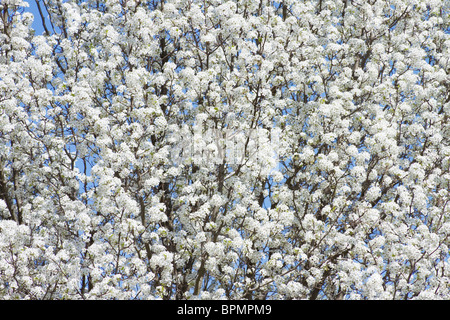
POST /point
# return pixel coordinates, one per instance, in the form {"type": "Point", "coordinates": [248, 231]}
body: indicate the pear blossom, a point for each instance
{"type": "Point", "coordinates": [224, 150]}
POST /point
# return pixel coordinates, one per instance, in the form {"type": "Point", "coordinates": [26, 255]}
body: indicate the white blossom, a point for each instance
{"type": "Point", "coordinates": [224, 150]}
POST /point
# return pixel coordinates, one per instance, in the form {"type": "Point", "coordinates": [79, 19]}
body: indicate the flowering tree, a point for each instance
{"type": "Point", "coordinates": [187, 149]}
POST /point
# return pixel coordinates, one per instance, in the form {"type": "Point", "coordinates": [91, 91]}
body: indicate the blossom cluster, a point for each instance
{"type": "Point", "coordinates": [294, 149]}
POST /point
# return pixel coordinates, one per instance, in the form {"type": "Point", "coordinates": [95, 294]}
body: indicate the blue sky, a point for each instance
{"type": "Point", "coordinates": [37, 23]}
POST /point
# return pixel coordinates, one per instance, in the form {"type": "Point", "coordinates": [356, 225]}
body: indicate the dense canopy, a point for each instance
{"type": "Point", "coordinates": [208, 149]}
